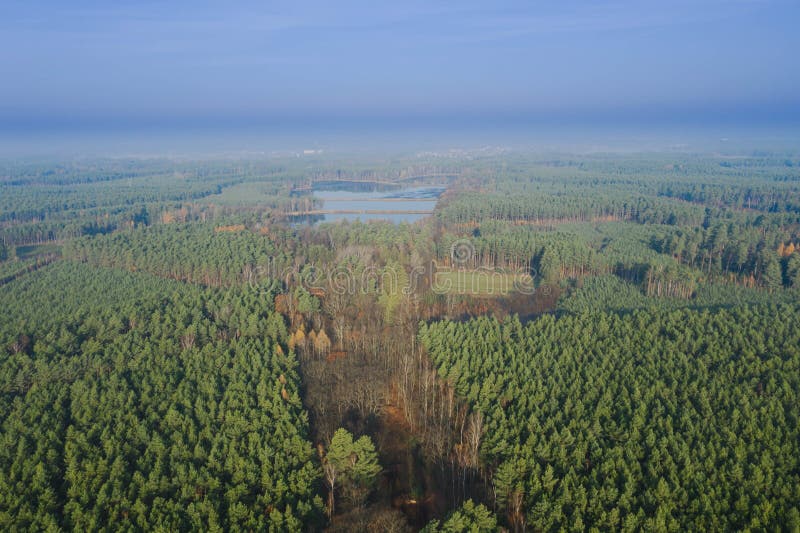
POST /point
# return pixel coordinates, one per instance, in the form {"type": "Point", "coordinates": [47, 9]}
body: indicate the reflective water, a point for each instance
{"type": "Point", "coordinates": [400, 205]}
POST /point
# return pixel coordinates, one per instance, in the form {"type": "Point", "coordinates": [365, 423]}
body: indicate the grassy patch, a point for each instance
{"type": "Point", "coordinates": [479, 282]}
{"type": "Point", "coordinates": [27, 252]}
{"type": "Point", "coordinates": [247, 194]}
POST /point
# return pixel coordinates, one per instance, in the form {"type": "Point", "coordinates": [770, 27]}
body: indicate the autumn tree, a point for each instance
{"type": "Point", "coordinates": [322, 344]}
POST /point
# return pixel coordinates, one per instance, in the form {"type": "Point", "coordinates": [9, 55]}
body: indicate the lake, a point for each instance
{"type": "Point", "coordinates": [398, 205]}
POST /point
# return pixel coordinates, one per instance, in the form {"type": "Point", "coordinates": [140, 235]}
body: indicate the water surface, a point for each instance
{"type": "Point", "coordinates": [399, 205]}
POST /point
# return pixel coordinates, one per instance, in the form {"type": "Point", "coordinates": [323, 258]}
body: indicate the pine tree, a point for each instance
{"type": "Point", "coordinates": [793, 270]}
{"type": "Point", "coordinates": [772, 278]}
{"type": "Point", "coordinates": [469, 517]}
{"type": "Point", "coordinates": [350, 465]}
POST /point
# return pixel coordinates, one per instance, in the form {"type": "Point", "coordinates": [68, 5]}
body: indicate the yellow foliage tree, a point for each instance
{"type": "Point", "coordinates": [322, 343]}
{"type": "Point", "coordinates": [300, 338]}
{"type": "Point", "coordinates": [311, 341]}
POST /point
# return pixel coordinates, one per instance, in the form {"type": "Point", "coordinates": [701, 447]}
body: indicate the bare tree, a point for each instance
{"type": "Point", "coordinates": [473, 436]}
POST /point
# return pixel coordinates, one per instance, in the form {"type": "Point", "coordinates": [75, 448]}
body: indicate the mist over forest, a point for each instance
{"type": "Point", "coordinates": [398, 267]}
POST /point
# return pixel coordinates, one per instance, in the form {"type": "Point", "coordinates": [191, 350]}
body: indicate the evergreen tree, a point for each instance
{"type": "Point", "coordinates": [772, 278]}
{"type": "Point", "coordinates": [793, 270]}
{"type": "Point", "coordinates": [469, 518]}
{"type": "Point", "coordinates": [350, 466]}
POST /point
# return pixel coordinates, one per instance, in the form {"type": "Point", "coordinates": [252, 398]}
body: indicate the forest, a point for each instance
{"type": "Point", "coordinates": [567, 343]}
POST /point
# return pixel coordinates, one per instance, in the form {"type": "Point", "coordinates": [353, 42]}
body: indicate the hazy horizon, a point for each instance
{"type": "Point", "coordinates": [341, 137]}
{"type": "Point", "coordinates": [140, 77]}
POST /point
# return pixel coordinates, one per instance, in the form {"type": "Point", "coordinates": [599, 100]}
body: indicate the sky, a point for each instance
{"type": "Point", "coordinates": [146, 63]}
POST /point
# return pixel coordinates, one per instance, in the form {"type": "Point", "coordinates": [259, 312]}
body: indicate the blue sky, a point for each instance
{"type": "Point", "coordinates": [85, 61]}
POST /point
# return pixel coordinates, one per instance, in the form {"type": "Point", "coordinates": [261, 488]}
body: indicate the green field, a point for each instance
{"type": "Point", "coordinates": [247, 194]}
{"type": "Point", "coordinates": [480, 282]}
{"type": "Point", "coordinates": [26, 252]}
